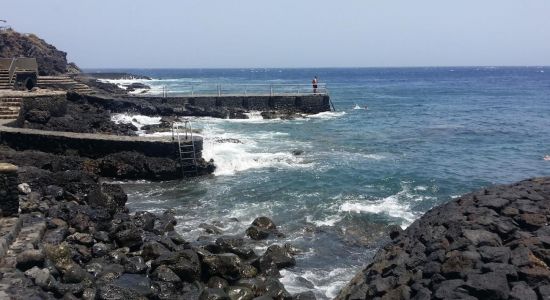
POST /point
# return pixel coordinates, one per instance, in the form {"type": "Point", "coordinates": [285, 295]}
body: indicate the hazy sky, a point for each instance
{"type": "Point", "coordinates": [289, 33]}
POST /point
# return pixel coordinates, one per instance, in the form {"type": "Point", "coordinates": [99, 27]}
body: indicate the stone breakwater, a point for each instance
{"type": "Point", "coordinates": [74, 238]}
{"type": "Point", "coordinates": [490, 244]}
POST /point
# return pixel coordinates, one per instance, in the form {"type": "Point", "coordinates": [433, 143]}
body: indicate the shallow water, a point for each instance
{"type": "Point", "coordinates": [429, 134]}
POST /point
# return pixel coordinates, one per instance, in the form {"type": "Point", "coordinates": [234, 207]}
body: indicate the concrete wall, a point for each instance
{"type": "Point", "coordinates": [286, 103]}
{"type": "Point", "coordinates": [89, 145]}
{"type": "Point", "coordinates": [9, 195]}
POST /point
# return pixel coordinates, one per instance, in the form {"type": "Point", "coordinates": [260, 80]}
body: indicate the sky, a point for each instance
{"type": "Point", "coordinates": [289, 33]}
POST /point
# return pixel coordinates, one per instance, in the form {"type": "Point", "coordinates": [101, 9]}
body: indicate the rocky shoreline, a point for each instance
{"type": "Point", "coordinates": [77, 240]}
{"type": "Point", "coordinates": [490, 244]}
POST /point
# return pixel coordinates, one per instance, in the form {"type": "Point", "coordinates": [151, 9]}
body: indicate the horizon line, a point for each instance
{"type": "Point", "coordinates": [332, 67]}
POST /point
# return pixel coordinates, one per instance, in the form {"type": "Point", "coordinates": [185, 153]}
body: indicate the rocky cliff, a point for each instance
{"type": "Point", "coordinates": [51, 61]}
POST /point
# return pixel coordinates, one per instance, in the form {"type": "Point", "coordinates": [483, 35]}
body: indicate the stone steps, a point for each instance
{"type": "Point", "coordinates": [64, 82]}
{"type": "Point", "coordinates": [32, 228]}
{"type": "Point", "coordinates": [9, 229]}
{"type": "Point", "coordinates": [9, 108]}
{"type": "Point", "coordinates": [18, 235]}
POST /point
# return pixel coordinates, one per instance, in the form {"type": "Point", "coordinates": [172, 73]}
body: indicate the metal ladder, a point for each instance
{"type": "Point", "coordinates": [183, 132]}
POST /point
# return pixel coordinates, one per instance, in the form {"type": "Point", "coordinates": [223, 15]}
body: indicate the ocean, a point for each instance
{"type": "Point", "coordinates": [401, 141]}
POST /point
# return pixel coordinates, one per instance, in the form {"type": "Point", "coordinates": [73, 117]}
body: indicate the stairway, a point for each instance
{"type": "Point", "coordinates": [26, 234]}
{"type": "Point", "coordinates": [5, 80]}
{"type": "Point", "coordinates": [64, 83]}
{"type": "Point", "coordinates": [9, 107]}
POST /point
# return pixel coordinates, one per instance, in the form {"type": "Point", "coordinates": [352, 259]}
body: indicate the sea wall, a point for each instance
{"type": "Point", "coordinates": [490, 244]}
{"type": "Point", "coordinates": [215, 106]}
{"type": "Point", "coordinates": [9, 195]}
{"type": "Point", "coordinates": [89, 145]}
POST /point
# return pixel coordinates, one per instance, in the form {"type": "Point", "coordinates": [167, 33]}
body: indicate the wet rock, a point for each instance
{"type": "Point", "coordinates": [275, 289]}
{"type": "Point", "coordinates": [257, 233]}
{"type": "Point", "coordinates": [210, 229]}
{"type": "Point", "coordinates": [102, 236]}
{"type": "Point", "coordinates": [163, 273]}
{"type": "Point", "coordinates": [216, 282]}
{"type": "Point", "coordinates": [108, 196]}
{"type": "Point", "coordinates": [214, 294]}
{"type": "Point", "coordinates": [100, 249]}
{"type": "Point", "coordinates": [152, 250]}
{"type": "Point", "coordinates": [184, 263]}
{"type": "Point", "coordinates": [165, 223]}
{"type": "Point", "coordinates": [264, 223]}
{"type": "Point", "coordinates": [394, 231]}
{"type": "Point", "coordinates": [279, 256]}
{"type": "Point", "coordinates": [30, 258]}
{"type": "Point", "coordinates": [144, 220]}
{"type": "Point", "coordinates": [235, 245]}
{"type": "Point", "coordinates": [228, 266]}
{"type": "Point", "coordinates": [239, 293]}
{"type": "Point", "coordinates": [135, 265]}
{"type": "Point", "coordinates": [129, 238]}
{"type": "Point", "coordinates": [309, 295]}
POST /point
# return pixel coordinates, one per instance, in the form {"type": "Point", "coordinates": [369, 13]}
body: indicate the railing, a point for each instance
{"type": "Point", "coordinates": [253, 89]}
{"type": "Point", "coordinates": [21, 63]}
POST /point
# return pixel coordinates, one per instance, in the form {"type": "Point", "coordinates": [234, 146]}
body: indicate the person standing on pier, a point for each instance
{"type": "Point", "coordinates": [314, 83]}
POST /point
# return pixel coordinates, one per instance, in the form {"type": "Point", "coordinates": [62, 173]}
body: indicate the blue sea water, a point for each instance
{"type": "Point", "coordinates": [428, 135]}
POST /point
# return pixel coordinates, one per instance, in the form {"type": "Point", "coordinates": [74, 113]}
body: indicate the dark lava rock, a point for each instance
{"type": "Point", "coordinates": [279, 256]}
{"type": "Point", "coordinates": [228, 266]}
{"type": "Point", "coordinates": [488, 286]}
{"type": "Point", "coordinates": [257, 233]}
{"type": "Point", "coordinates": [264, 223]}
{"type": "Point", "coordinates": [309, 295]}
{"type": "Point", "coordinates": [127, 286]}
{"type": "Point", "coordinates": [490, 244]}
{"type": "Point", "coordinates": [184, 263]}
{"type": "Point", "coordinates": [521, 291]}
{"type": "Point", "coordinates": [239, 292]}
{"type": "Point", "coordinates": [215, 294]}
{"type": "Point", "coordinates": [30, 258]}
{"type": "Point", "coordinates": [129, 238]}
{"type": "Point", "coordinates": [135, 265]}
{"type": "Point", "coordinates": [163, 273]}
{"type": "Point", "coordinates": [235, 245]}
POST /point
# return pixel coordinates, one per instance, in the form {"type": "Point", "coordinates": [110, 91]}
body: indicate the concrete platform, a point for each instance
{"type": "Point", "coordinates": [90, 144]}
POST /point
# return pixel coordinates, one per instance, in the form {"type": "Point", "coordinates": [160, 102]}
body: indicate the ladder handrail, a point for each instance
{"type": "Point", "coordinates": [188, 131]}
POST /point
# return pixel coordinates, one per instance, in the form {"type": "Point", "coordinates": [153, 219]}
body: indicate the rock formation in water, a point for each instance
{"type": "Point", "coordinates": [490, 244]}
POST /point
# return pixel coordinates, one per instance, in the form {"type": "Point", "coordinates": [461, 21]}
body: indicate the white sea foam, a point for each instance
{"type": "Point", "coordinates": [327, 115]}
{"type": "Point", "coordinates": [136, 120]}
{"type": "Point", "coordinates": [254, 115]}
{"type": "Point", "coordinates": [390, 206]}
{"type": "Point", "coordinates": [328, 221]}
{"type": "Point", "coordinates": [326, 284]}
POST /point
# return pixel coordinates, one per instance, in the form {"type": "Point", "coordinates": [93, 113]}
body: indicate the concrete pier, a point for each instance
{"type": "Point", "coordinates": [309, 104]}
{"type": "Point", "coordinates": [89, 144]}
